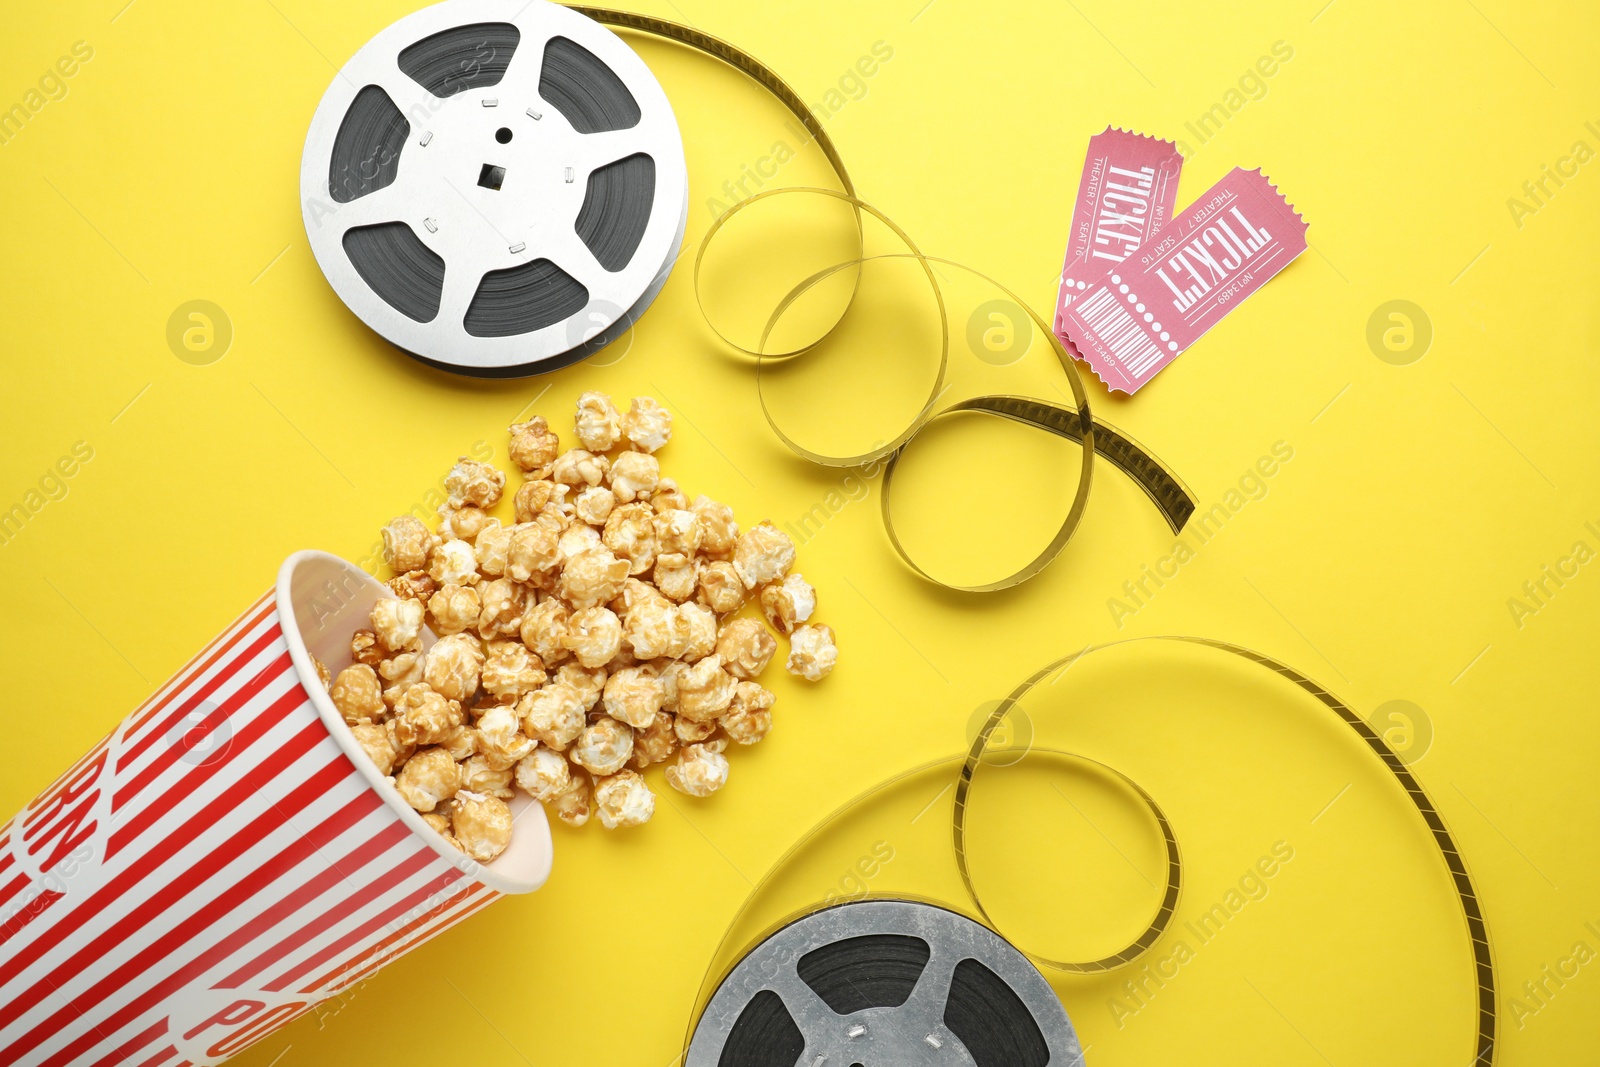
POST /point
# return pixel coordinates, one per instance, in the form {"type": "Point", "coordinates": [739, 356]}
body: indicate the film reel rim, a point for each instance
{"type": "Point", "coordinates": [966, 938]}
{"type": "Point", "coordinates": [612, 297]}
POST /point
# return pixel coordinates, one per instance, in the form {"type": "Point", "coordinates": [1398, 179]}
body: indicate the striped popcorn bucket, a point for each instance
{"type": "Point", "coordinates": [227, 858]}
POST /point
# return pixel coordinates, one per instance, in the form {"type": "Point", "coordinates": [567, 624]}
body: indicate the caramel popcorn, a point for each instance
{"type": "Point", "coordinates": [581, 645]}
{"type": "Point", "coordinates": [553, 715]}
{"type": "Point", "coordinates": [427, 778]}
{"type": "Point", "coordinates": [398, 624]}
{"type": "Point", "coordinates": [481, 824]}
{"type": "Point", "coordinates": [535, 496]}
{"type": "Point", "coordinates": [656, 629]}
{"type": "Point", "coordinates": [630, 534]}
{"type": "Point", "coordinates": [573, 806]}
{"type": "Point", "coordinates": [718, 532]}
{"type": "Point", "coordinates": [534, 447]}
{"type": "Point", "coordinates": [510, 671]}
{"type": "Point", "coordinates": [812, 652]}
{"type": "Point", "coordinates": [677, 531]}
{"type": "Point", "coordinates": [746, 648]}
{"type": "Point", "coordinates": [721, 588]}
{"type": "Point", "coordinates": [454, 608]}
{"type": "Point", "coordinates": [471, 482]}
{"type": "Point", "coordinates": [700, 771]}
{"type": "Point", "coordinates": [544, 774]}
{"type": "Point", "coordinates": [480, 774]}
{"type": "Point", "coordinates": [668, 497]}
{"type": "Point", "coordinates": [676, 575]}
{"type": "Point", "coordinates": [593, 505]}
{"type": "Point", "coordinates": [655, 742]}
{"type": "Point", "coordinates": [633, 695]}
{"type": "Point", "coordinates": [412, 585]}
{"type": "Point", "coordinates": [500, 739]}
{"type": "Point", "coordinates": [788, 603]}
{"type": "Point", "coordinates": [501, 615]}
{"type": "Point", "coordinates": [453, 563]}
{"type": "Point", "coordinates": [704, 690]}
{"type": "Point", "coordinates": [634, 474]}
{"type": "Point", "coordinates": [623, 799]}
{"type": "Point", "coordinates": [544, 630]}
{"type": "Point", "coordinates": [647, 424]}
{"type": "Point", "coordinates": [425, 717]}
{"type": "Point", "coordinates": [594, 635]}
{"type": "Point", "coordinates": [700, 628]}
{"type": "Point", "coordinates": [532, 551]}
{"type": "Point", "coordinates": [689, 732]}
{"type": "Point", "coordinates": [452, 666]}
{"type": "Point", "coordinates": [465, 523]}
{"type": "Point", "coordinates": [577, 538]}
{"type": "Point", "coordinates": [461, 742]}
{"type": "Point", "coordinates": [357, 695]}
{"type": "Point", "coordinates": [364, 648]}
{"type": "Point", "coordinates": [592, 577]}
{"type": "Point", "coordinates": [580, 467]}
{"type": "Point", "coordinates": [374, 741]}
{"type": "Point", "coordinates": [324, 675]}
{"type": "Point", "coordinates": [669, 683]}
{"type": "Point", "coordinates": [597, 422]}
{"type": "Point", "coordinates": [763, 553]}
{"type": "Point", "coordinates": [604, 747]}
{"type": "Point", "coordinates": [406, 543]}
{"type": "Point", "coordinates": [491, 548]}
{"type": "Point", "coordinates": [587, 682]}
{"type": "Point", "coordinates": [749, 717]}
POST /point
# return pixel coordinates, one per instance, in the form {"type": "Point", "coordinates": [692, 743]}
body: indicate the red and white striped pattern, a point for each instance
{"type": "Point", "coordinates": [207, 873]}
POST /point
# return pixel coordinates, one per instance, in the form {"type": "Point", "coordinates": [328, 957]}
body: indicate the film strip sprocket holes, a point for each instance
{"type": "Point", "coordinates": [1163, 487]}
{"type": "Point", "coordinates": [1176, 505]}
{"type": "Point", "coordinates": [1466, 893]}
{"type": "Point", "coordinates": [963, 770]}
{"type": "Point", "coordinates": [497, 187]}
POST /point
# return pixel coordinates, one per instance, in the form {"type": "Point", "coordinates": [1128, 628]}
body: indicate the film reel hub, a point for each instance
{"type": "Point", "coordinates": [496, 187]}
{"type": "Point", "coordinates": [884, 983]}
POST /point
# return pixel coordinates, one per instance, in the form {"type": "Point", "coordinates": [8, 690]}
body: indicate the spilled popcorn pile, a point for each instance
{"type": "Point", "coordinates": [590, 639]}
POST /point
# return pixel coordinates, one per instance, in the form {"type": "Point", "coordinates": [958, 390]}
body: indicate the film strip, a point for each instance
{"type": "Point", "coordinates": [1466, 893]}
{"type": "Point", "coordinates": [963, 771]}
{"type": "Point", "coordinates": [1166, 493]}
{"type": "Point", "coordinates": [1075, 423]}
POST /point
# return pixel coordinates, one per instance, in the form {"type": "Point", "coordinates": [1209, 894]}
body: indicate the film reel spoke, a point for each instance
{"type": "Point", "coordinates": [535, 171]}
{"type": "Point", "coordinates": [886, 983]}
{"type": "Point", "coordinates": [608, 146]}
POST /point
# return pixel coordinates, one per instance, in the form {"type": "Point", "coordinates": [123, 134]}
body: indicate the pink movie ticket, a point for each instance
{"type": "Point", "coordinates": [1139, 314]}
{"type": "Point", "coordinates": [1128, 190]}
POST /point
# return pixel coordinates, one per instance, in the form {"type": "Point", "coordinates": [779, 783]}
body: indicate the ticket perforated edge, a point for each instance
{"type": "Point", "coordinates": [1141, 314]}
{"type": "Point", "coordinates": [1128, 190]}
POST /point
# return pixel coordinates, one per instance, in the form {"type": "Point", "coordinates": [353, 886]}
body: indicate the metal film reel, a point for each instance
{"type": "Point", "coordinates": [497, 187]}
{"type": "Point", "coordinates": [884, 983]}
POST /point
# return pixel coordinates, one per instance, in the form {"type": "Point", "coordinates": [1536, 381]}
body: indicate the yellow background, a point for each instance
{"type": "Point", "coordinates": [1420, 498]}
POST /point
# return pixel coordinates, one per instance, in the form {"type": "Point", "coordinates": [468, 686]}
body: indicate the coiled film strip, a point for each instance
{"type": "Point", "coordinates": [963, 770]}
{"type": "Point", "coordinates": [1175, 504]}
{"type": "Point", "coordinates": [1075, 423]}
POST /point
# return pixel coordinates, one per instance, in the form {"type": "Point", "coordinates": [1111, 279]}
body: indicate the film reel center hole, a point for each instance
{"type": "Point", "coordinates": [503, 135]}
{"type": "Point", "coordinates": [491, 176]}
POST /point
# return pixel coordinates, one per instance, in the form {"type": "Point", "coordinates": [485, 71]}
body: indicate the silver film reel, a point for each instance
{"type": "Point", "coordinates": [497, 187]}
{"type": "Point", "coordinates": [884, 983]}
